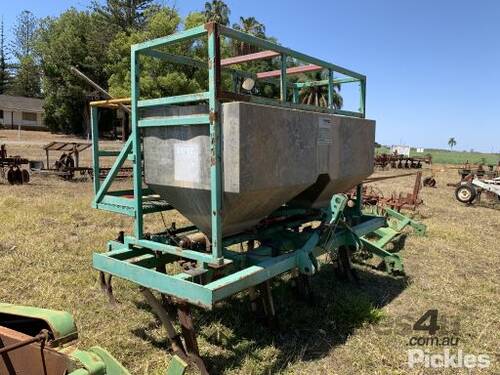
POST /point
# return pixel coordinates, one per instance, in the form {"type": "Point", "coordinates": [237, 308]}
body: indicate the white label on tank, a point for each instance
{"type": "Point", "coordinates": [187, 162]}
{"type": "Point", "coordinates": [325, 131]}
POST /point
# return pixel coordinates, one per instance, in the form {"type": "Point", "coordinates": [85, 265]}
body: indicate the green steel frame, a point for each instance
{"type": "Point", "coordinates": [138, 258]}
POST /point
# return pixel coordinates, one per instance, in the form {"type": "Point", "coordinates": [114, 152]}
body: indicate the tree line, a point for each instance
{"type": "Point", "coordinates": [36, 63]}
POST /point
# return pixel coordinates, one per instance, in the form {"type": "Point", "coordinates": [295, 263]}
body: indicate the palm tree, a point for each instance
{"type": "Point", "coordinates": [217, 11]}
{"type": "Point", "coordinates": [452, 142]}
{"type": "Point", "coordinates": [318, 95]}
{"type": "Point", "coordinates": [251, 26]}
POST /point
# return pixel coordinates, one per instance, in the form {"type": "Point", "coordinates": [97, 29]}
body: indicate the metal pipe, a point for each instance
{"type": "Point", "coordinates": [41, 337]}
{"type": "Point", "coordinates": [381, 178]}
{"type": "Point", "coordinates": [110, 101]}
{"type": "Point", "coordinates": [97, 87]}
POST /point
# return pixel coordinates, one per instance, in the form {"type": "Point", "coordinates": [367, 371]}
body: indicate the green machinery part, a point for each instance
{"type": "Point", "coordinates": [378, 239]}
{"type": "Point", "coordinates": [58, 352]}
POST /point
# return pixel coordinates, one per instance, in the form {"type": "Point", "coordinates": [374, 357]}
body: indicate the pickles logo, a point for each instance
{"type": "Point", "coordinates": [447, 358]}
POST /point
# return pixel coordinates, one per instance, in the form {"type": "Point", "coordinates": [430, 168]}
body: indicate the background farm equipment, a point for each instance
{"type": "Point", "coordinates": [468, 172]}
{"type": "Point", "coordinates": [67, 163]}
{"type": "Point", "coordinates": [38, 341]}
{"type": "Point", "coordinates": [470, 190]}
{"type": "Point", "coordinates": [396, 201]}
{"type": "Point", "coordinates": [11, 168]}
{"type": "Point", "coordinates": [228, 161]}
{"type": "Point", "coordinates": [480, 170]}
{"type": "Point", "coordinates": [401, 161]}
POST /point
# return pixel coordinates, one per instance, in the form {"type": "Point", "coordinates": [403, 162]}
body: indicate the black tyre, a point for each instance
{"type": "Point", "coordinates": [466, 193]}
{"type": "Point", "coordinates": [26, 176]}
{"type": "Point", "coordinates": [15, 176]}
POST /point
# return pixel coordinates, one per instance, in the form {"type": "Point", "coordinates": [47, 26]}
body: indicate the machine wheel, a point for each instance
{"type": "Point", "coordinates": [15, 176]}
{"type": "Point", "coordinates": [465, 193]}
{"type": "Point", "coordinates": [429, 181]}
{"type": "Point", "coordinates": [26, 176]}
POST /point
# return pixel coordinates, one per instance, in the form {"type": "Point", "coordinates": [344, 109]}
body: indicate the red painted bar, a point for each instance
{"type": "Point", "coordinates": [249, 57]}
{"type": "Point", "coordinates": [294, 70]}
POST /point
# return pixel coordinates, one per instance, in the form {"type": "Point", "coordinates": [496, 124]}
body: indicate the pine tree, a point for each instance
{"type": "Point", "coordinates": [4, 64]}
{"type": "Point", "coordinates": [24, 35]}
{"type": "Point", "coordinates": [127, 15]}
{"type": "Point", "coordinates": [26, 81]}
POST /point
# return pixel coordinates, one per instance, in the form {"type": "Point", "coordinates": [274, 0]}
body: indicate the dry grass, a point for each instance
{"type": "Point", "coordinates": [48, 233]}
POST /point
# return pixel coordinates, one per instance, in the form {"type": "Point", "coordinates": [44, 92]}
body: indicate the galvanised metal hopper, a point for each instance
{"type": "Point", "coordinates": [272, 156]}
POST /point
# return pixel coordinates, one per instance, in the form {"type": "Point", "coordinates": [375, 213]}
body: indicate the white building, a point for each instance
{"type": "Point", "coordinates": [400, 150]}
{"type": "Point", "coordinates": [20, 111]}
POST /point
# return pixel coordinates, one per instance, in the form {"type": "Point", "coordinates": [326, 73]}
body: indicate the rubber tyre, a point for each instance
{"type": "Point", "coordinates": [465, 193]}
{"type": "Point", "coordinates": [26, 176]}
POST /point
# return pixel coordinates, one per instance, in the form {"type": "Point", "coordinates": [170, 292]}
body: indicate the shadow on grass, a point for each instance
{"type": "Point", "coordinates": [231, 337]}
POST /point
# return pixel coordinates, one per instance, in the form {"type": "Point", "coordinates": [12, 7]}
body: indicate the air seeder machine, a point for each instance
{"type": "Point", "coordinates": [260, 179]}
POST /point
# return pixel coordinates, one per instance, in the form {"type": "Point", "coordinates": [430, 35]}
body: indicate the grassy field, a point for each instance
{"type": "Point", "coordinates": [452, 156]}
{"type": "Point", "coordinates": [48, 233]}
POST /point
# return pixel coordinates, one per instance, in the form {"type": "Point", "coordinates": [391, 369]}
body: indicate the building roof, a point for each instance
{"type": "Point", "coordinates": [20, 103]}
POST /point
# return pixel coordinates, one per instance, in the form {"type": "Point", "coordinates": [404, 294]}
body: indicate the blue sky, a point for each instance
{"type": "Point", "coordinates": [432, 66]}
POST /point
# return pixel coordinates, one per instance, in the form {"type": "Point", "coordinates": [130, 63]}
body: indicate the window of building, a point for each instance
{"type": "Point", "coordinates": [29, 116]}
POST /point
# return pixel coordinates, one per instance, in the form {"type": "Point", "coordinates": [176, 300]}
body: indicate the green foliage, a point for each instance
{"type": "Point", "coordinates": [194, 19]}
{"type": "Point", "coordinates": [250, 26]}
{"type": "Point", "coordinates": [5, 75]}
{"type": "Point", "coordinates": [126, 15]}
{"type": "Point", "coordinates": [74, 38]}
{"type": "Point", "coordinates": [27, 80]}
{"type": "Point", "coordinates": [452, 142]}
{"type": "Point", "coordinates": [318, 95]}
{"type": "Point", "coordinates": [217, 11]}
{"type": "Point", "coordinates": [158, 78]}
{"type": "Point", "coordinates": [98, 42]}
{"type": "Point", "coordinates": [24, 35]}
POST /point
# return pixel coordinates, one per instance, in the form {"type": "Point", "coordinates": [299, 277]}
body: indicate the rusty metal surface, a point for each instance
{"type": "Point", "coordinates": [67, 146]}
{"type": "Point", "coordinates": [32, 359]}
{"type": "Point", "coordinates": [42, 338]}
{"type": "Point", "coordinates": [397, 200]}
{"type": "Point", "coordinates": [187, 349]}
